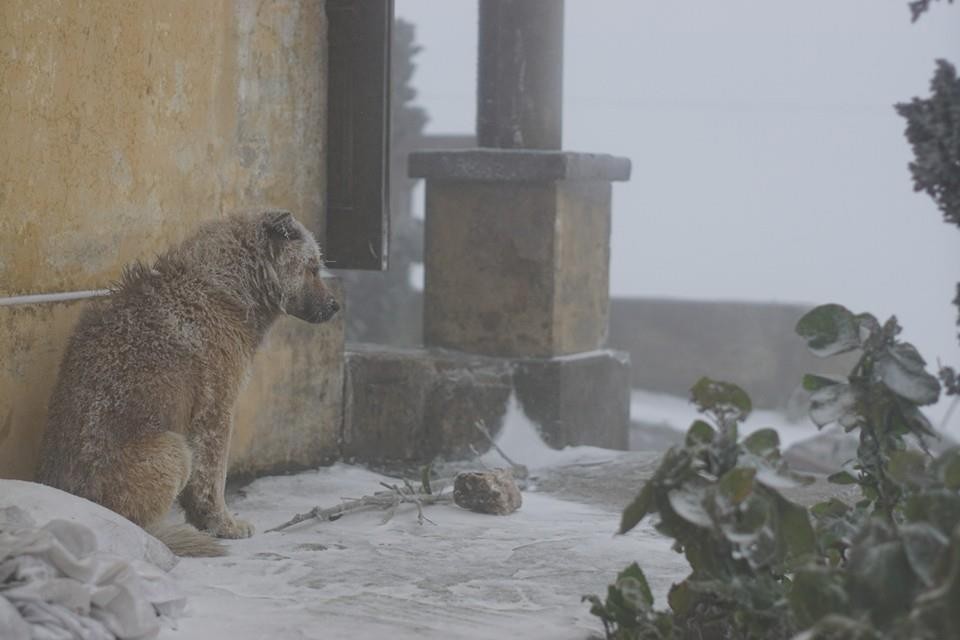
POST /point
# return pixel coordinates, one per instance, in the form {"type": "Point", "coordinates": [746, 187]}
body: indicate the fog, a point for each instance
{"type": "Point", "coordinates": [768, 162]}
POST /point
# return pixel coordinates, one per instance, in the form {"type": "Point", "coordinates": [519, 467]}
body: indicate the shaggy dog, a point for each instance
{"type": "Point", "coordinates": [143, 407]}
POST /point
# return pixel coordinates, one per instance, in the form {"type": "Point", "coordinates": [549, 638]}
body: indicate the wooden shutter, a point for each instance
{"type": "Point", "coordinates": [358, 133]}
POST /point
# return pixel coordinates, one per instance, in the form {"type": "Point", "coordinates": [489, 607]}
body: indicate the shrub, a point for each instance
{"type": "Point", "coordinates": [887, 567]}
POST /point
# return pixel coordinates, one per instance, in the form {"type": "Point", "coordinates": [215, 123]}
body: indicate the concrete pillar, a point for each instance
{"type": "Point", "coordinates": [520, 74]}
{"type": "Point", "coordinates": [517, 237]}
{"type": "Point", "coordinates": [517, 250]}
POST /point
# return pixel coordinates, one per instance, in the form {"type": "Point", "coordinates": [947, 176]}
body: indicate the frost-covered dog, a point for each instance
{"type": "Point", "coordinates": [143, 407]}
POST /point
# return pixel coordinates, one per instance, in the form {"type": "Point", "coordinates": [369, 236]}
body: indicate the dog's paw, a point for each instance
{"type": "Point", "coordinates": [233, 528]}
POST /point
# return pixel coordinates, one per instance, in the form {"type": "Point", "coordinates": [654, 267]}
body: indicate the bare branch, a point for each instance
{"type": "Point", "coordinates": [381, 500]}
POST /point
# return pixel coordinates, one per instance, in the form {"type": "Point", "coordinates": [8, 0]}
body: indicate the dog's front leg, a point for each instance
{"type": "Point", "coordinates": [202, 498]}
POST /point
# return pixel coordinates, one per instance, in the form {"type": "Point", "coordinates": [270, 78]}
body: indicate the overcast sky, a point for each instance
{"type": "Point", "coordinates": [768, 163]}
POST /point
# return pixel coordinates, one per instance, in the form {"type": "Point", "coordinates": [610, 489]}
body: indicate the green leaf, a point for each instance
{"type": "Point", "coordinates": [948, 469]}
{"type": "Point", "coordinates": [700, 432]}
{"type": "Point", "coordinates": [632, 583]}
{"type": "Point", "coordinates": [841, 477]}
{"type": "Point", "coordinates": [762, 442]}
{"type": "Point", "coordinates": [832, 508]}
{"type": "Point", "coordinates": [926, 549]}
{"type": "Point", "coordinates": [795, 533]}
{"type": "Point", "coordinates": [813, 382]}
{"type": "Point", "coordinates": [940, 507]}
{"type": "Point", "coordinates": [680, 598]}
{"type": "Point", "coordinates": [829, 329]}
{"type": "Point", "coordinates": [907, 467]}
{"type": "Point", "coordinates": [879, 572]}
{"type": "Point", "coordinates": [816, 592]}
{"type": "Point", "coordinates": [637, 509]}
{"type": "Point", "coordinates": [903, 371]}
{"type": "Point", "coordinates": [721, 397]}
{"type": "Point", "coordinates": [736, 485]}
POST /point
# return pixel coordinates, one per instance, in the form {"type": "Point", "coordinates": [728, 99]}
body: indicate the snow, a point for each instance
{"type": "Point", "coordinates": [519, 438]}
{"type": "Point", "coordinates": [469, 576]}
{"type": "Point", "coordinates": [678, 413]}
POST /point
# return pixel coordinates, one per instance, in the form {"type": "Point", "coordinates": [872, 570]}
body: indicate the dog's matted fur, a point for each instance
{"type": "Point", "coordinates": [143, 407]}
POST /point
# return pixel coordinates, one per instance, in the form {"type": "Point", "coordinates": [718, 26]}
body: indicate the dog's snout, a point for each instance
{"type": "Point", "coordinates": [333, 306]}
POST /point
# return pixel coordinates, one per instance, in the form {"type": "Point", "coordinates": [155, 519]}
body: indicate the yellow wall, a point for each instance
{"type": "Point", "coordinates": [123, 125]}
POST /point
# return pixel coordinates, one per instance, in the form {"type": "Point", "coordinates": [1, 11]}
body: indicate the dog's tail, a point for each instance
{"type": "Point", "coordinates": [185, 540]}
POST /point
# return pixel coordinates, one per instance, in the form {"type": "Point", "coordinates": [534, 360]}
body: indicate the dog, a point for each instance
{"type": "Point", "coordinates": [142, 411]}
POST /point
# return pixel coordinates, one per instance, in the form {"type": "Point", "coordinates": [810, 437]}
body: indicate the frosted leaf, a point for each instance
{"type": "Point", "coordinates": [829, 329]}
{"type": "Point", "coordinates": [925, 547]}
{"type": "Point", "coordinates": [902, 370]}
{"type": "Point", "coordinates": [835, 403]}
{"type": "Point", "coordinates": [688, 504]}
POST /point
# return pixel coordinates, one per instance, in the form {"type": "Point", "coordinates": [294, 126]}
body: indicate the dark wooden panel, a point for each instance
{"type": "Point", "coordinates": [358, 103]}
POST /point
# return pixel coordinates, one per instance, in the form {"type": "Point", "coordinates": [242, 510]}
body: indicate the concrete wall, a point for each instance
{"type": "Point", "coordinates": [672, 343]}
{"type": "Point", "coordinates": [123, 126]}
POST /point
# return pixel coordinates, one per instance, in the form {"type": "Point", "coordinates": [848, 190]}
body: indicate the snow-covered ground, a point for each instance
{"type": "Point", "coordinates": [468, 576]}
{"type": "Point", "coordinates": [678, 413]}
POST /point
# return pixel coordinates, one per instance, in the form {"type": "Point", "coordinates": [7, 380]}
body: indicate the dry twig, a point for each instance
{"type": "Point", "coordinates": [388, 500]}
{"type": "Point", "coordinates": [520, 471]}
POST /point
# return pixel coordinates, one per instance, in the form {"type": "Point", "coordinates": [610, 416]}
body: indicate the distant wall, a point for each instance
{"type": "Point", "coordinates": [124, 125]}
{"type": "Point", "coordinates": [673, 343]}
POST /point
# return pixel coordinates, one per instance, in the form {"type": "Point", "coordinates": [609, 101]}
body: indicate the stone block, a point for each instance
{"type": "Point", "coordinates": [517, 269]}
{"type": "Point", "coordinates": [517, 250]}
{"type": "Point", "coordinates": [413, 405]}
{"type": "Point", "coordinates": [578, 400]}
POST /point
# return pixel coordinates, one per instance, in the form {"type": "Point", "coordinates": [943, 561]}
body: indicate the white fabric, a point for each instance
{"type": "Point", "coordinates": [114, 533]}
{"type": "Point", "coordinates": [55, 585]}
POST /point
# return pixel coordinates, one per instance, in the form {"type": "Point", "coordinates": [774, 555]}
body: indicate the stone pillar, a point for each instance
{"type": "Point", "coordinates": [520, 74]}
{"type": "Point", "coordinates": [517, 237]}
{"type": "Point", "coordinates": [516, 262]}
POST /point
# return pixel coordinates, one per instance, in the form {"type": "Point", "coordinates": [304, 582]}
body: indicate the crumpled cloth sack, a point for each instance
{"type": "Point", "coordinates": [55, 585]}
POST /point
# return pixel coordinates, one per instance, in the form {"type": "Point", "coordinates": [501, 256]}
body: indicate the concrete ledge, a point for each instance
{"type": "Point", "coordinates": [517, 165]}
{"type": "Point", "coordinates": [409, 406]}
{"type": "Point", "coordinates": [413, 405]}
{"type": "Point", "coordinates": [578, 400]}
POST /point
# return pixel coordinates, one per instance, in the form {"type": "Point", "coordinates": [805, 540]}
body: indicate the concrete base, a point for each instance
{"type": "Point", "coordinates": [413, 405]}
{"type": "Point", "coordinates": [578, 400]}
{"type": "Point", "coordinates": [409, 406]}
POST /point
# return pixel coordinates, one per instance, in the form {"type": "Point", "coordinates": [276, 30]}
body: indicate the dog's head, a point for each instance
{"type": "Point", "coordinates": [297, 263]}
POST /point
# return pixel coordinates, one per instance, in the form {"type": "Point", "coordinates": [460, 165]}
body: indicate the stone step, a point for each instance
{"type": "Point", "coordinates": [413, 405]}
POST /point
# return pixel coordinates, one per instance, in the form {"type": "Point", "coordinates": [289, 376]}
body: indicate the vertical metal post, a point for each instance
{"type": "Point", "coordinates": [520, 74]}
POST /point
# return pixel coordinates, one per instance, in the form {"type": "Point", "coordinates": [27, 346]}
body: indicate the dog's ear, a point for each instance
{"type": "Point", "coordinates": [280, 225]}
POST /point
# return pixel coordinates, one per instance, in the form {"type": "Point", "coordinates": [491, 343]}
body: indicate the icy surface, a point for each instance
{"type": "Point", "coordinates": [470, 576]}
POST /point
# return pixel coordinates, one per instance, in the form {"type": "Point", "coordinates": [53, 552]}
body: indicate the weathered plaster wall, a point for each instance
{"type": "Point", "coordinates": [123, 126]}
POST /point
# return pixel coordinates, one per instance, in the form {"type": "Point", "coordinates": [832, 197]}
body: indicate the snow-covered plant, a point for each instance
{"type": "Point", "coordinates": [880, 398]}
{"type": "Point", "coordinates": [885, 568]}
{"type": "Point", "coordinates": [716, 496]}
